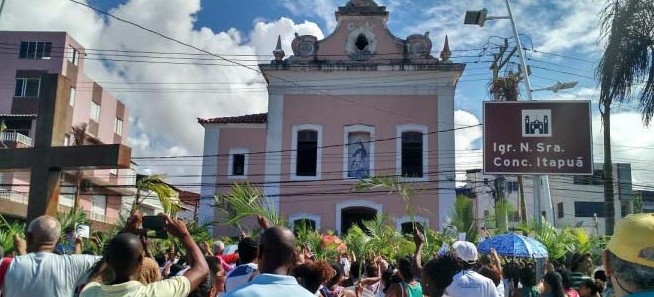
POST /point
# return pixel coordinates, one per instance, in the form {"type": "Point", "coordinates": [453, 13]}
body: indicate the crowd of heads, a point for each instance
{"type": "Point", "coordinates": [628, 265]}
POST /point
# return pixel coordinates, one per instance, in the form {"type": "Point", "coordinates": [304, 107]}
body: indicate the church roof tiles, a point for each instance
{"type": "Point", "coordinates": [259, 118]}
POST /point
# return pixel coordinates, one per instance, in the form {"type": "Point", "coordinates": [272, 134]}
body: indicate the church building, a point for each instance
{"type": "Point", "coordinates": [360, 102]}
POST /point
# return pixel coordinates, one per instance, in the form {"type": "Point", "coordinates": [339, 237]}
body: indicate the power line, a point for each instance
{"type": "Point", "coordinates": [228, 60]}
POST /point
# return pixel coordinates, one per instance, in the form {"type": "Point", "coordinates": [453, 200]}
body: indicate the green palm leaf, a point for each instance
{"type": "Point", "coordinates": [247, 201]}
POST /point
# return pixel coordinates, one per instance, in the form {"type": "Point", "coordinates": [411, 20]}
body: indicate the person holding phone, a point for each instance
{"type": "Point", "coordinates": [124, 255]}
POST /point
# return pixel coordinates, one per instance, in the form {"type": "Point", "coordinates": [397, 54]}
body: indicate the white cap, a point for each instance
{"type": "Point", "coordinates": [466, 251]}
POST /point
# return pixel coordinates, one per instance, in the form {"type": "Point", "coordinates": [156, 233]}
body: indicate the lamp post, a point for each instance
{"type": "Point", "coordinates": [2, 5]}
{"type": "Point", "coordinates": [479, 17]}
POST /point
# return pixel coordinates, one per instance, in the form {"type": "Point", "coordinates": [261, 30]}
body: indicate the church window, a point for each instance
{"type": "Point", "coordinates": [412, 154]}
{"type": "Point", "coordinates": [362, 42]}
{"type": "Point", "coordinates": [238, 163]}
{"type": "Point", "coordinates": [307, 153]}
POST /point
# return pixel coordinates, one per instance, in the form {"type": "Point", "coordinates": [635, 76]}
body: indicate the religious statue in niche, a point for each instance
{"type": "Point", "coordinates": [361, 42]}
{"type": "Point", "coordinates": [358, 155]}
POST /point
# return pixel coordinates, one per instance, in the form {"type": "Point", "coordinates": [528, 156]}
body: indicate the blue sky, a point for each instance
{"type": "Point", "coordinates": [564, 35]}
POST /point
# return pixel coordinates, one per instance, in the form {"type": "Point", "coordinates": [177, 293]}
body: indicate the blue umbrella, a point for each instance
{"type": "Point", "coordinates": [513, 245]}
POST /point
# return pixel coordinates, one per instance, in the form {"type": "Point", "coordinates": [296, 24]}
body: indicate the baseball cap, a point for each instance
{"type": "Point", "coordinates": [466, 251]}
{"type": "Point", "coordinates": [632, 239]}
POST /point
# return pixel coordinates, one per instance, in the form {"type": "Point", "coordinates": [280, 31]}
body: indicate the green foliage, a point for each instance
{"type": "Point", "coordinates": [7, 232]}
{"type": "Point", "coordinates": [394, 185]}
{"type": "Point", "coordinates": [560, 243]}
{"type": "Point", "coordinates": [199, 232]}
{"type": "Point", "coordinates": [463, 217]}
{"type": "Point", "coordinates": [71, 220]}
{"type": "Point", "coordinates": [627, 64]}
{"type": "Point", "coordinates": [247, 201]}
{"type": "Point", "coordinates": [148, 184]}
{"type": "Point", "coordinates": [433, 242]}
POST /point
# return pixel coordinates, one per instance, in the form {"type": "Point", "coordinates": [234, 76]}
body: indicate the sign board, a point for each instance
{"type": "Point", "coordinates": [538, 137]}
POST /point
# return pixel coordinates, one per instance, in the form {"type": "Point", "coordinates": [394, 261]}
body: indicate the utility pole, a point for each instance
{"type": "Point", "coordinates": [499, 61]}
{"type": "Point", "coordinates": [2, 5]}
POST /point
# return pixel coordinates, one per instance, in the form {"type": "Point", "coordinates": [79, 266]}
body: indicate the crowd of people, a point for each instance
{"type": "Point", "coordinates": [272, 265]}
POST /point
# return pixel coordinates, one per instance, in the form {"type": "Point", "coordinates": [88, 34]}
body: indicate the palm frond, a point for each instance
{"type": "Point", "coordinates": [247, 201]}
{"type": "Point", "coordinates": [627, 65]}
{"type": "Point", "coordinates": [394, 185]}
{"type": "Point", "coordinates": [156, 184]}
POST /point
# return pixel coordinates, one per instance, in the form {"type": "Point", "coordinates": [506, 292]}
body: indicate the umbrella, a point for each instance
{"type": "Point", "coordinates": [513, 245]}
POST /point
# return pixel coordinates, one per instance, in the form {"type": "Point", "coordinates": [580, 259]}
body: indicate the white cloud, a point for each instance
{"type": "Point", "coordinates": [164, 114]}
{"type": "Point", "coordinates": [324, 9]}
{"type": "Point", "coordinates": [468, 156]}
{"type": "Point", "coordinates": [631, 143]}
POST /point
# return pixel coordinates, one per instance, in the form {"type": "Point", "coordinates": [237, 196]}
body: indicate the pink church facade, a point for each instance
{"type": "Point", "coordinates": [359, 103]}
{"type": "Point", "coordinates": [27, 56]}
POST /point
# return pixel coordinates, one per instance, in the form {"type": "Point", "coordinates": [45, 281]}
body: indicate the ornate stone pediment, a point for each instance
{"type": "Point", "coordinates": [304, 45]}
{"type": "Point", "coordinates": [361, 42]}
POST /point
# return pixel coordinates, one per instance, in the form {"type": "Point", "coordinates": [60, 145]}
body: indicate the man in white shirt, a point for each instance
{"type": "Point", "coordinates": [468, 282]}
{"type": "Point", "coordinates": [41, 272]}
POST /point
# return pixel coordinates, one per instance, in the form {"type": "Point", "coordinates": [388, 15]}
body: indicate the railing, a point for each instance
{"type": "Point", "coordinates": [13, 196]}
{"type": "Point", "coordinates": [13, 136]}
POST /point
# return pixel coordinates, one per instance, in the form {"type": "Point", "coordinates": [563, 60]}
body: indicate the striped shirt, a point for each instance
{"type": "Point", "coordinates": [239, 276]}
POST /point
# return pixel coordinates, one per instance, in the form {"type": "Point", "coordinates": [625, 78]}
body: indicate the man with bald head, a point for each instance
{"type": "Point", "coordinates": [276, 258]}
{"type": "Point", "coordinates": [41, 272]}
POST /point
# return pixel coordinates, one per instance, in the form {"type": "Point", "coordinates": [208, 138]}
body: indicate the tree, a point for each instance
{"type": "Point", "coordinates": [148, 184]}
{"type": "Point", "coordinates": [625, 72]}
{"type": "Point", "coordinates": [463, 217]}
{"type": "Point", "coordinates": [79, 138]}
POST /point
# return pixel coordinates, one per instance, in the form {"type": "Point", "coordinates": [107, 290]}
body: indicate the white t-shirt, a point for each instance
{"type": "Point", "coordinates": [46, 274]}
{"type": "Point", "coordinates": [239, 276]}
{"type": "Point", "coordinates": [500, 289]}
{"type": "Point", "coordinates": [470, 283]}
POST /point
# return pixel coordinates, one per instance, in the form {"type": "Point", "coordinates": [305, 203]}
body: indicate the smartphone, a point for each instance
{"type": "Point", "coordinates": [154, 223]}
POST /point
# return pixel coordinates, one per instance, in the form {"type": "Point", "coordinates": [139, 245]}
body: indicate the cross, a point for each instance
{"type": "Point", "coordinates": [45, 161]}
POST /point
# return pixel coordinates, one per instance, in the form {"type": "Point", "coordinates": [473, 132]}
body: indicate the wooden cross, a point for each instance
{"type": "Point", "coordinates": [46, 162]}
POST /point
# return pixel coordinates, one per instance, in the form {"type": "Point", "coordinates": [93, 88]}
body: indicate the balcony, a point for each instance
{"type": "Point", "coordinates": [13, 139]}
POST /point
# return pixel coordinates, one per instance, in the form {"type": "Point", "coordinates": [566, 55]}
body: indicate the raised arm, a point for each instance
{"type": "Point", "coordinates": [419, 240]}
{"type": "Point", "coordinates": [199, 268]}
{"type": "Point", "coordinates": [495, 258]}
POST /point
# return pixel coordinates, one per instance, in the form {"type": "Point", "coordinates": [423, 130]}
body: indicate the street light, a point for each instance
{"type": "Point", "coordinates": [479, 17]}
{"type": "Point", "coordinates": [558, 86]}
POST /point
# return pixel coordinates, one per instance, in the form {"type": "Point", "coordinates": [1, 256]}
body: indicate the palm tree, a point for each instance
{"type": "Point", "coordinates": [79, 138]}
{"type": "Point", "coordinates": [463, 217]}
{"type": "Point", "coordinates": [148, 184]}
{"type": "Point", "coordinates": [626, 68]}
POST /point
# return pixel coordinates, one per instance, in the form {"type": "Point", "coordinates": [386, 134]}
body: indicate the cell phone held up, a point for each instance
{"type": "Point", "coordinates": [155, 226]}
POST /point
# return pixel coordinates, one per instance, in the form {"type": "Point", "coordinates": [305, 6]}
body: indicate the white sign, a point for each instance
{"type": "Point", "coordinates": [84, 231]}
